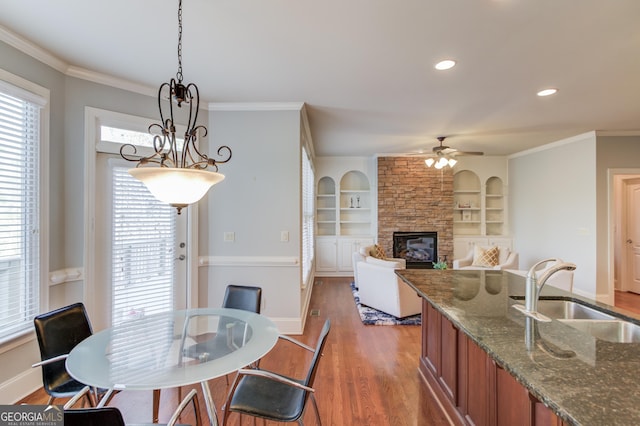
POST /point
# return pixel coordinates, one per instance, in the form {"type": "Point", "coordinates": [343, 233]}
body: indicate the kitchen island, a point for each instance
{"type": "Point", "coordinates": [488, 364]}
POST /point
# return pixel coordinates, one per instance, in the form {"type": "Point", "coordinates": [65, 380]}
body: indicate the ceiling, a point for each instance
{"type": "Point", "coordinates": [365, 68]}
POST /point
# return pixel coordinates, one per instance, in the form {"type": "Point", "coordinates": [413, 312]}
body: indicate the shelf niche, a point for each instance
{"type": "Point", "coordinates": [355, 204]}
{"type": "Point", "coordinates": [326, 207]}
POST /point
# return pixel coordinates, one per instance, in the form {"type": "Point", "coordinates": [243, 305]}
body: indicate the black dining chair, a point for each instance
{"type": "Point", "coordinates": [272, 396]}
{"type": "Point", "coordinates": [111, 416]}
{"type": "Point", "coordinates": [58, 332]}
{"type": "Point", "coordinates": [248, 298]}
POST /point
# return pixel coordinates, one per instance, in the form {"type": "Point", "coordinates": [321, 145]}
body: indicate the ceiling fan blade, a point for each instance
{"type": "Point", "coordinates": [468, 153]}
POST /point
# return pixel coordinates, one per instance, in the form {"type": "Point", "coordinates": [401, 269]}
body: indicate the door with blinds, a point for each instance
{"type": "Point", "coordinates": [141, 248]}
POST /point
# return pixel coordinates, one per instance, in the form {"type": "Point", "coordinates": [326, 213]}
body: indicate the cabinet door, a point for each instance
{"type": "Point", "coordinates": [345, 252]}
{"type": "Point", "coordinates": [449, 359]}
{"type": "Point", "coordinates": [513, 402]}
{"type": "Point", "coordinates": [478, 408]}
{"type": "Point", "coordinates": [433, 342]}
{"type": "Point", "coordinates": [326, 255]}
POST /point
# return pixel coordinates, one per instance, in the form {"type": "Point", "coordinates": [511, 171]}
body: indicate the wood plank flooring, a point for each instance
{"type": "Point", "coordinates": [367, 376]}
{"type": "Point", "coordinates": [627, 300]}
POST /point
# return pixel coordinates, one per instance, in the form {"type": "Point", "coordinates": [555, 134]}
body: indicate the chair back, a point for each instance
{"type": "Point", "coordinates": [58, 332]}
{"type": "Point", "coordinates": [104, 416]}
{"type": "Point", "coordinates": [247, 298]}
{"type": "Point", "coordinates": [313, 368]}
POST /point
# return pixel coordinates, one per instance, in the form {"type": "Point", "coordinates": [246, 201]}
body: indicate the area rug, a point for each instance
{"type": "Point", "coordinates": [370, 316]}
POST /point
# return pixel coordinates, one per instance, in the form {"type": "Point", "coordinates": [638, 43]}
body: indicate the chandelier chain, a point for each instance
{"type": "Point", "coordinates": [179, 73]}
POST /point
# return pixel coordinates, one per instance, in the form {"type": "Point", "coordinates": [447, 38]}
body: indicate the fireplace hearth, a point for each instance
{"type": "Point", "coordinates": [419, 249]}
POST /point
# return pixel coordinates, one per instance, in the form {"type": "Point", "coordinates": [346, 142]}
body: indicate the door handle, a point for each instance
{"type": "Point", "coordinates": [629, 241]}
{"type": "Point", "coordinates": [181, 257]}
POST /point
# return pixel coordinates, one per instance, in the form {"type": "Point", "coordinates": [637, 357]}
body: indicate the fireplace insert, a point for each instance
{"type": "Point", "coordinates": [419, 249]}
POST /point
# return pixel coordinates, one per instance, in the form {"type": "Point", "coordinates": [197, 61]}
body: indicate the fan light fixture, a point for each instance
{"type": "Point", "coordinates": [441, 162]}
{"type": "Point", "coordinates": [181, 176]}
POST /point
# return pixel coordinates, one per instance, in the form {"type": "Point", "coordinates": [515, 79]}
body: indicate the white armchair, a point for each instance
{"type": "Point", "coordinates": [380, 288]}
{"type": "Point", "coordinates": [475, 259]}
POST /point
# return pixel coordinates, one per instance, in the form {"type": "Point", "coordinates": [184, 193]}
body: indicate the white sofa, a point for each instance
{"type": "Point", "coordinates": [507, 259]}
{"type": "Point", "coordinates": [380, 288]}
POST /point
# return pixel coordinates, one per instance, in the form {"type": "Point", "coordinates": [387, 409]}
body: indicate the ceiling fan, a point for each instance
{"type": "Point", "coordinates": [444, 155]}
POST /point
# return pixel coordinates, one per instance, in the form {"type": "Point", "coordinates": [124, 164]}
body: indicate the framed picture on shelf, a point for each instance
{"type": "Point", "coordinates": [466, 216]}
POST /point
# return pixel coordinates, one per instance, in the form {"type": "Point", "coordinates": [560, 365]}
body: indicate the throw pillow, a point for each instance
{"type": "Point", "coordinates": [378, 252]}
{"type": "Point", "coordinates": [487, 257]}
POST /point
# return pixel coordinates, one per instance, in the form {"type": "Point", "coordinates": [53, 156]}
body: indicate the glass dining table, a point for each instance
{"type": "Point", "coordinates": [173, 349]}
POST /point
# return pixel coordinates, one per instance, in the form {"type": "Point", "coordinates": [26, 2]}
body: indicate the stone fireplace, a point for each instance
{"type": "Point", "coordinates": [415, 198]}
{"type": "Point", "coordinates": [418, 249]}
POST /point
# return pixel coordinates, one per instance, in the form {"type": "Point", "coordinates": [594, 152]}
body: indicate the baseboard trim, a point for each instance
{"type": "Point", "coordinates": [18, 387]}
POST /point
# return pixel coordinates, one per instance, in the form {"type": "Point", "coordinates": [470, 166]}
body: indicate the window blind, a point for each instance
{"type": "Point", "coordinates": [307, 217]}
{"type": "Point", "coordinates": [143, 243]}
{"type": "Point", "coordinates": [19, 212]}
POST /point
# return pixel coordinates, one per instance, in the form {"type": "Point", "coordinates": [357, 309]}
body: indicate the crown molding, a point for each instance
{"type": "Point", "coordinates": [31, 49]}
{"type": "Point", "coordinates": [591, 135]}
{"type": "Point", "coordinates": [256, 106]}
{"type": "Point", "coordinates": [111, 81]}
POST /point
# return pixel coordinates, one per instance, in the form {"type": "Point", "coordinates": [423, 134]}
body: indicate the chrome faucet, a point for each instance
{"type": "Point", "coordinates": [534, 284]}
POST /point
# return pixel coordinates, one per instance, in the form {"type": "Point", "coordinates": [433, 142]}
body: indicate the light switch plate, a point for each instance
{"type": "Point", "coordinates": [229, 236]}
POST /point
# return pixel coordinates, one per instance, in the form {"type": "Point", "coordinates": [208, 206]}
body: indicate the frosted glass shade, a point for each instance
{"type": "Point", "coordinates": [175, 186]}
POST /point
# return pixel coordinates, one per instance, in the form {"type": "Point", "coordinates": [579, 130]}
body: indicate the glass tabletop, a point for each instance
{"type": "Point", "coordinates": [172, 349]}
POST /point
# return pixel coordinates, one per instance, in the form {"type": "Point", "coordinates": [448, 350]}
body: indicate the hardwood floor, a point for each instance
{"type": "Point", "coordinates": [367, 376]}
{"type": "Point", "coordinates": [627, 300]}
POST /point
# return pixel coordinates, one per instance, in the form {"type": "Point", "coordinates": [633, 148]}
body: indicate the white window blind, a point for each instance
{"type": "Point", "coordinates": [308, 198]}
{"type": "Point", "coordinates": [19, 211]}
{"type": "Point", "coordinates": [143, 250]}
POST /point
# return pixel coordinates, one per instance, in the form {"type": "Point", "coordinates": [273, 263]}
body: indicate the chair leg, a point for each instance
{"type": "Point", "coordinates": [156, 405]}
{"type": "Point", "coordinates": [50, 400]}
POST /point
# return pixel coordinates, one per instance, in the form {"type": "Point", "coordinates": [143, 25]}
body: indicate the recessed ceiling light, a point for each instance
{"type": "Point", "coordinates": [445, 65]}
{"type": "Point", "coordinates": [547, 92]}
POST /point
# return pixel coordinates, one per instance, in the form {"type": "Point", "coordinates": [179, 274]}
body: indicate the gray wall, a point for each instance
{"type": "Point", "coordinates": [613, 152]}
{"type": "Point", "coordinates": [259, 198]}
{"type": "Point", "coordinates": [559, 204]}
{"type": "Point", "coordinates": [552, 207]}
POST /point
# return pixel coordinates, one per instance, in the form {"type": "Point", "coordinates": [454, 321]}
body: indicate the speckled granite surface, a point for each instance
{"type": "Point", "coordinates": [584, 380]}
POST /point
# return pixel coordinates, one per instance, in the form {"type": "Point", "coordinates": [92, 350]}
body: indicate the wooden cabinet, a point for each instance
{"type": "Point", "coordinates": [469, 385]}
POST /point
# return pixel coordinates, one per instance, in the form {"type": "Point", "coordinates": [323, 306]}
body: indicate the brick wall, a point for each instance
{"type": "Point", "coordinates": [413, 197]}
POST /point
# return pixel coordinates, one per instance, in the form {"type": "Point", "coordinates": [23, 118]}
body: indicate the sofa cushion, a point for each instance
{"type": "Point", "coordinates": [378, 252]}
{"type": "Point", "coordinates": [486, 256]}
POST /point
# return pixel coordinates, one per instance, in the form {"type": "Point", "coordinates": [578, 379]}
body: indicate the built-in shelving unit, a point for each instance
{"type": "Point", "coordinates": [326, 207]}
{"type": "Point", "coordinates": [467, 209]}
{"type": "Point", "coordinates": [355, 210]}
{"type": "Point", "coordinates": [480, 203]}
{"type": "Point", "coordinates": [344, 214]}
{"type": "Point", "coordinates": [494, 206]}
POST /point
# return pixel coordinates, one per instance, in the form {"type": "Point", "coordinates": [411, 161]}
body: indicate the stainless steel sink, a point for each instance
{"type": "Point", "coordinates": [566, 309]}
{"type": "Point", "coordinates": [591, 320]}
{"type": "Point", "coordinates": [614, 330]}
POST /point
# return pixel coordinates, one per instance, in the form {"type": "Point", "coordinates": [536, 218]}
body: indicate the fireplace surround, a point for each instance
{"type": "Point", "coordinates": [418, 248]}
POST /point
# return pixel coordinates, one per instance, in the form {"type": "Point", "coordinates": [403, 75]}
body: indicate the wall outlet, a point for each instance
{"type": "Point", "coordinates": [230, 237]}
{"type": "Point", "coordinates": [284, 236]}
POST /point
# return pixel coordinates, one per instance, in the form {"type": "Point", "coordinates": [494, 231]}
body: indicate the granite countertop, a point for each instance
{"type": "Point", "coordinates": [584, 380]}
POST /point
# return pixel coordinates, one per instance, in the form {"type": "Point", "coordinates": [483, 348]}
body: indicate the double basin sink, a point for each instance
{"type": "Point", "coordinates": [599, 324]}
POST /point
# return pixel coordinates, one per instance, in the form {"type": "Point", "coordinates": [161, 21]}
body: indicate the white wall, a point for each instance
{"type": "Point", "coordinates": [552, 205]}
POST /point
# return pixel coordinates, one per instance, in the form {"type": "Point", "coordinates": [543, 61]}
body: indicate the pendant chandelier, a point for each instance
{"type": "Point", "coordinates": [177, 172]}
